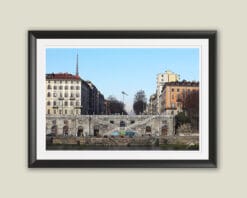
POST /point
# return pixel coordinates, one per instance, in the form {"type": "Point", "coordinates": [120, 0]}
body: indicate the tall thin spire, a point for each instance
{"type": "Point", "coordinates": [77, 65]}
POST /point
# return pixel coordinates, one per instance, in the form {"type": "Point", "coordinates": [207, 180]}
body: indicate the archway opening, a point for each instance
{"type": "Point", "coordinates": [80, 131]}
{"type": "Point", "coordinates": [66, 130]}
{"type": "Point", "coordinates": [148, 129]}
{"type": "Point", "coordinates": [96, 131]}
{"type": "Point", "coordinates": [54, 130]}
{"type": "Point", "coordinates": [164, 130]}
{"type": "Point", "coordinates": [122, 123]}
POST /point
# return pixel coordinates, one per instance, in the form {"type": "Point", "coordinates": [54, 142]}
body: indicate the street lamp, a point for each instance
{"type": "Point", "coordinates": [123, 93]}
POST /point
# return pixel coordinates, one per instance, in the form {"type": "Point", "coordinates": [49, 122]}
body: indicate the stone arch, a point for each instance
{"type": "Point", "coordinates": [96, 130]}
{"type": "Point", "coordinates": [54, 129]}
{"type": "Point", "coordinates": [65, 130]}
{"type": "Point", "coordinates": [164, 130]}
{"type": "Point", "coordinates": [80, 131]}
{"type": "Point", "coordinates": [122, 123]}
{"type": "Point", "coordinates": [148, 129]}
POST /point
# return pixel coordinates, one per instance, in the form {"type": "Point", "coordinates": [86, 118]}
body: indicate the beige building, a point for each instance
{"type": "Point", "coordinates": [166, 77]}
{"type": "Point", "coordinates": [152, 105]}
{"type": "Point", "coordinates": [63, 94]}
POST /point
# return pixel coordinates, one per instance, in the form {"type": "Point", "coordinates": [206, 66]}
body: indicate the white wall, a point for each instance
{"type": "Point", "coordinates": [16, 17]}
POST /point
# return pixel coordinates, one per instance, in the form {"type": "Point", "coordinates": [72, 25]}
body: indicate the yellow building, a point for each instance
{"type": "Point", "coordinates": [166, 77]}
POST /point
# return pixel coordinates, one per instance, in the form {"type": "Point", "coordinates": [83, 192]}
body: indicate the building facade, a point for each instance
{"type": "Point", "coordinates": [63, 94]}
{"type": "Point", "coordinates": [85, 92]}
{"type": "Point", "coordinates": [96, 100]}
{"type": "Point", "coordinates": [152, 105]}
{"type": "Point", "coordinates": [174, 94]}
{"type": "Point", "coordinates": [163, 78]}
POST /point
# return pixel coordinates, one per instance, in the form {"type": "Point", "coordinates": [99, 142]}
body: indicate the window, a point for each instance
{"type": "Point", "coordinates": [48, 94]}
{"type": "Point", "coordinates": [71, 95]}
{"type": "Point", "coordinates": [65, 111]}
{"type": "Point", "coordinates": [77, 103]}
{"type": "Point", "coordinates": [55, 87]}
{"type": "Point", "coordinates": [60, 82]}
{"type": "Point", "coordinates": [71, 103]}
{"type": "Point", "coordinates": [54, 103]}
{"type": "Point", "coordinates": [48, 103]}
{"type": "Point", "coordinates": [172, 89]}
{"type": "Point", "coordinates": [71, 87]}
{"type": "Point", "coordinates": [177, 90]}
{"type": "Point", "coordinates": [55, 111]}
{"type": "Point", "coordinates": [49, 87]}
{"type": "Point", "coordinates": [66, 87]}
{"type": "Point", "coordinates": [65, 103]}
{"type": "Point", "coordinates": [77, 95]}
{"type": "Point", "coordinates": [77, 87]}
{"type": "Point", "coordinates": [66, 95]}
{"type": "Point", "coordinates": [66, 82]}
{"type": "Point", "coordinates": [55, 81]}
{"type": "Point", "coordinates": [60, 87]}
{"type": "Point", "coordinates": [48, 111]}
{"type": "Point", "coordinates": [54, 94]}
{"type": "Point", "coordinates": [61, 95]}
{"type": "Point", "coordinates": [60, 112]}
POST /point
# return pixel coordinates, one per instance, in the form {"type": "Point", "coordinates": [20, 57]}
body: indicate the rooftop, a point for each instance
{"type": "Point", "coordinates": [59, 76]}
{"type": "Point", "coordinates": [183, 83]}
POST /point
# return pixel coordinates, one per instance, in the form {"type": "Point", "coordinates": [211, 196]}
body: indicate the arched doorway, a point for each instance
{"type": "Point", "coordinates": [80, 131]}
{"type": "Point", "coordinates": [54, 130]}
{"type": "Point", "coordinates": [148, 129]}
{"type": "Point", "coordinates": [96, 130]}
{"type": "Point", "coordinates": [164, 130]}
{"type": "Point", "coordinates": [65, 130]}
{"type": "Point", "coordinates": [122, 123]}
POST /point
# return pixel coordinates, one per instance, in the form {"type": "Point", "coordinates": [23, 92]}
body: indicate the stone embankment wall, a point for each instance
{"type": "Point", "coordinates": [136, 141]}
{"type": "Point", "coordinates": [89, 125]}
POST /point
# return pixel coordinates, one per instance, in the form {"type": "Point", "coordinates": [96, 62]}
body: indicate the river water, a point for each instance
{"type": "Point", "coordinates": [142, 148]}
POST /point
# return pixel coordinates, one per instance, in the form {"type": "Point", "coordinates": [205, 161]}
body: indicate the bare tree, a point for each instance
{"type": "Point", "coordinates": [140, 102]}
{"type": "Point", "coordinates": [115, 106]}
{"type": "Point", "coordinates": [191, 105]}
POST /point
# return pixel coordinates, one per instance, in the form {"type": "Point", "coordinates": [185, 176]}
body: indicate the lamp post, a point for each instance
{"type": "Point", "coordinates": [123, 93]}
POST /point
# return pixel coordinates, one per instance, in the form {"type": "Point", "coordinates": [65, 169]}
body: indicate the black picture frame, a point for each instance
{"type": "Point", "coordinates": [33, 162]}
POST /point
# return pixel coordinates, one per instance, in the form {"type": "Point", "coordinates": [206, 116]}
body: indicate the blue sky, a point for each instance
{"type": "Point", "coordinates": [113, 70]}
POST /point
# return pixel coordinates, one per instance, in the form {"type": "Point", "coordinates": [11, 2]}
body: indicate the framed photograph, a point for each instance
{"type": "Point", "coordinates": [118, 99]}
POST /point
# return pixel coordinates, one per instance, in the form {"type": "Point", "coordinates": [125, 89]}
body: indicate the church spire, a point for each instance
{"type": "Point", "coordinates": [77, 66]}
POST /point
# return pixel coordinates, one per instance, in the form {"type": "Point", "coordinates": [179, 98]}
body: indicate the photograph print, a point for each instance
{"type": "Point", "coordinates": [122, 98]}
